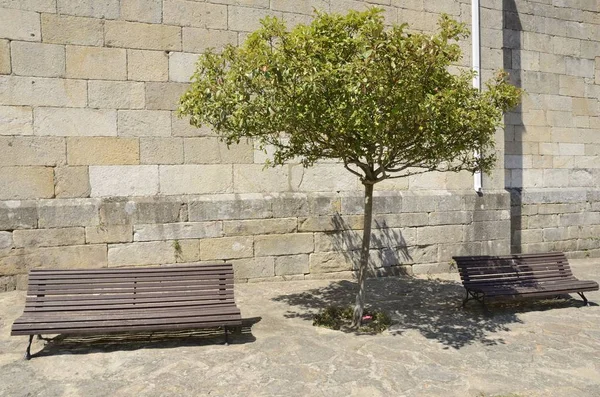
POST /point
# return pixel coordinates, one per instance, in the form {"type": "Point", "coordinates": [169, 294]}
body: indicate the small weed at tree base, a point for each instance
{"type": "Point", "coordinates": [335, 317]}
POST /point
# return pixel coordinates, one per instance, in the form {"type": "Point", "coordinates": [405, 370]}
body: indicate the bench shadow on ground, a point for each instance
{"type": "Point", "coordinates": [70, 344]}
{"type": "Point", "coordinates": [431, 306]}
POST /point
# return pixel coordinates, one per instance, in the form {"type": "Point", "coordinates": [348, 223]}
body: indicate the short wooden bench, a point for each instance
{"type": "Point", "coordinates": [517, 276]}
{"type": "Point", "coordinates": [99, 301]}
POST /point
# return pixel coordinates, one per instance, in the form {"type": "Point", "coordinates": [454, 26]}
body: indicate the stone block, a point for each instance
{"type": "Point", "coordinates": [576, 66]}
{"type": "Point", "coordinates": [49, 237]}
{"type": "Point", "coordinates": [69, 257]}
{"type": "Point", "coordinates": [226, 248]}
{"type": "Point", "coordinates": [142, 10]}
{"type": "Point", "coordinates": [290, 204]}
{"type": "Point", "coordinates": [6, 240]}
{"type": "Point", "coordinates": [284, 244]}
{"type": "Point", "coordinates": [124, 180]}
{"type": "Point", "coordinates": [96, 63]}
{"type": "Point", "coordinates": [585, 106]}
{"type": "Point", "coordinates": [71, 182]}
{"type": "Point", "coordinates": [210, 150]}
{"type": "Point", "coordinates": [68, 213]}
{"type": "Point", "coordinates": [571, 86]}
{"type": "Point", "coordinates": [116, 94]}
{"type": "Point", "coordinates": [439, 234]}
{"type": "Point", "coordinates": [253, 268]}
{"type": "Point", "coordinates": [142, 36]}
{"type": "Point", "coordinates": [38, 91]}
{"type": "Point", "coordinates": [195, 179]}
{"type": "Point", "coordinates": [347, 240]}
{"type": "Point", "coordinates": [74, 122]}
{"type": "Point", "coordinates": [108, 234]}
{"type": "Point", "coordinates": [418, 203]}
{"type": "Point", "coordinates": [16, 120]}
{"type": "Point", "coordinates": [106, 9]}
{"type": "Point", "coordinates": [485, 231]}
{"type": "Point", "coordinates": [327, 262]}
{"type": "Point", "coordinates": [164, 96]}
{"type": "Point", "coordinates": [330, 223]}
{"type": "Point", "coordinates": [30, 5]}
{"type": "Point", "coordinates": [146, 253]}
{"type": "Point", "coordinates": [65, 29]}
{"type": "Point", "coordinates": [292, 264]}
{"type": "Point", "coordinates": [19, 25]}
{"type": "Point", "coordinates": [262, 226]}
{"type": "Point", "coordinates": [177, 231]}
{"type": "Point", "coordinates": [229, 207]}
{"type": "Point", "coordinates": [5, 67]}
{"type": "Point", "coordinates": [142, 210]}
{"type": "Point", "coordinates": [198, 40]}
{"type": "Point", "coordinates": [28, 150]}
{"type": "Point", "coordinates": [145, 65]}
{"type": "Point", "coordinates": [322, 178]}
{"type": "Point", "coordinates": [161, 150]}
{"type": "Point", "coordinates": [182, 127]}
{"type": "Point", "coordinates": [450, 218]}
{"type": "Point", "coordinates": [181, 66]}
{"type": "Point", "coordinates": [26, 183]}
{"type": "Point", "coordinates": [144, 123]}
{"type": "Point", "coordinates": [37, 59]}
{"type": "Point", "coordinates": [255, 178]}
{"type": "Point", "coordinates": [597, 74]}
{"type": "Point", "coordinates": [187, 251]}
{"type": "Point", "coordinates": [18, 215]}
{"type": "Point", "coordinates": [382, 204]}
{"type": "Point", "coordinates": [571, 149]}
{"type": "Point", "coordinates": [191, 13]}
{"type": "Point", "coordinates": [102, 151]}
{"type": "Point", "coordinates": [324, 203]}
{"type": "Point", "coordinates": [246, 19]}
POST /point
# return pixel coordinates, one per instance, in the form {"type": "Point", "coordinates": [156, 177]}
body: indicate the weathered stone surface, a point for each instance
{"type": "Point", "coordinates": [195, 179]}
{"type": "Point", "coordinates": [246, 19]}
{"type": "Point", "coordinates": [142, 10]}
{"type": "Point", "coordinates": [37, 59]}
{"type": "Point", "coordinates": [26, 183]}
{"type": "Point", "coordinates": [255, 178]}
{"type": "Point", "coordinates": [6, 240]}
{"type": "Point", "coordinates": [102, 151]}
{"type": "Point", "coordinates": [19, 25]}
{"type": "Point", "coordinates": [226, 248]}
{"type": "Point", "coordinates": [38, 91]}
{"type": "Point", "coordinates": [347, 240]}
{"type": "Point", "coordinates": [253, 268]}
{"type": "Point", "coordinates": [147, 253]}
{"type": "Point", "coordinates": [18, 215]}
{"type": "Point", "coordinates": [284, 244]}
{"type": "Point", "coordinates": [439, 234]}
{"type": "Point", "coordinates": [74, 122]}
{"type": "Point", "coordinates": [262, 226]}
{"type": "Point", "coordinates": [290, 204]}
{"type": "Point", "coordinates": [187, 251]}
{"type": "Point", "coordinates": [142, 36]}
{"type": "Point", "coordinates": [164, 96]}
{"type": "Point", "coordinates": [71, 257]}
{"type": "Point", "coordinates": [210, 150]}
{"type": "Point", "coordinates": [96, 63]}
{"type": "Point", "coordinates": [191, 13]}
{"type": "Point", "coordinates": [116, 94]}
{"type": "Point", "coordinates": [325, 262]}
{"type": "Point", "coordinates": [198, 40]}
{"type": "Point", "coordinates": [49, 237]}
{"type": "Point", "coordinates": [330, 223]}
{"type": "Point", "coordinates": [229, 207]}
{"type": "Point", "coordinates": [108, 234]}
{"type": "Point", "coordinates": [16, 120]}
{"type": "Point", "coordinates": [181, 127]}
{"type": "Point", "coordinates": [322, 178]}
{"type": "Point", "coordinates": [161, 150]}
{"type": "Point", "coordinates": [450, 218]}
{"type": "Point", "coordinates": [181, 66]}
{"type": "Point", "coordinates": [5, 67]}
{"type": "Point", "coordinates": [68, 212]}
{"type": "Point", "coordinates": [142, 210]}
{"type": "Point", "coordinates": [177, 231]}
{"type": "Point", "coordinates": [144, 123]}
{"type": "Point", "coordinates": [71, 182]}
{"type": "Point", "coordinates": [30, 5]}
{"type": "Point", "coordinates": [292, 264]}
{"type": "Point", "coordinates": [65, 29]}
{"type": "Point", "coordinates": [145, 65]}
{"type": "Point", "coordinates": [31, 151]}
{"type": "Point", "coordinates": [484, 231]}
{"type": "Point", "coordinates": [132, 180]}
{"type": "Point", "coordinates": [108, 9]}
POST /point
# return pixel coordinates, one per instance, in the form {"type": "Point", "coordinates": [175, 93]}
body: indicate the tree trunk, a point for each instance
{"type": "Point", "coordinates": [364, 257]}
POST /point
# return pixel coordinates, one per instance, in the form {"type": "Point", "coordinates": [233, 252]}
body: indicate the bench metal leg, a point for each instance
{"type": "Point", "coordinates": [28, 351]}
{"type": "Point", "coordinates": [226, 336]}
{"type": "Point", "coordinates": [585, 301]}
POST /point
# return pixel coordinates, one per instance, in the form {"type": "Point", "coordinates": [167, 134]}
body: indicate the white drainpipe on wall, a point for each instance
{"type": "Point", "coordinates": [475, 34]}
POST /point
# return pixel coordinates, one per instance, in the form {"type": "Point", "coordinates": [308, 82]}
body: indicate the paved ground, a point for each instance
{"type": "Point", "coordinates": [549, 348]}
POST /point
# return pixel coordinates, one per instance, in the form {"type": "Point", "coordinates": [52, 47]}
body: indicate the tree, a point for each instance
{"type": "Point", "coordinates": [380, 100]}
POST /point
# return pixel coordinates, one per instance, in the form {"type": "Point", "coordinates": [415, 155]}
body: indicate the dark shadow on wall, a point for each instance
{"type": "Point", "coordinates": [512, 37]}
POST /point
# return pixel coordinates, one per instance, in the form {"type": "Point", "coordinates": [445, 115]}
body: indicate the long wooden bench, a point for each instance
{"type": "Point", "coordinates": [516, 276]}
{"type": "Point", "coordinates": [100, 301]}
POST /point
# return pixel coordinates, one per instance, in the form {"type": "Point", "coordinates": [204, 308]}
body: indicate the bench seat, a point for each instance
{"type": "Point", "coordinates": [101, 301]}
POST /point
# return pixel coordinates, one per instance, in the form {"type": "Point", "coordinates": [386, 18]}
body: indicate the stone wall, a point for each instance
{"type": "Point", "coordinates": [97, 170]}
{"type": "Point", "coordinates": [552, 144]}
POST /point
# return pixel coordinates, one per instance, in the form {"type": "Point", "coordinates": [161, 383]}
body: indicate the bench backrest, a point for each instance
{"type": "Point", "coordinates": [147, 287]}
{"type": "Point", "coordinates": [513, 268]}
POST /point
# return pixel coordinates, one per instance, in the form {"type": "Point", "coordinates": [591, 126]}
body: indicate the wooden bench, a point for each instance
{"type": "Point", "coordinates": [515, 276]}
{"type": "Point", "coordinates": [99, 301]}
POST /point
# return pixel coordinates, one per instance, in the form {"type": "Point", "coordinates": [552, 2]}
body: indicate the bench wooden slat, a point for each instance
{"type": "Point", "coordinates": [140, 297]}
{"type": "Point", "coordinates": [133, 305]}
{"type": "Point", "coordinates": [129, 288]}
